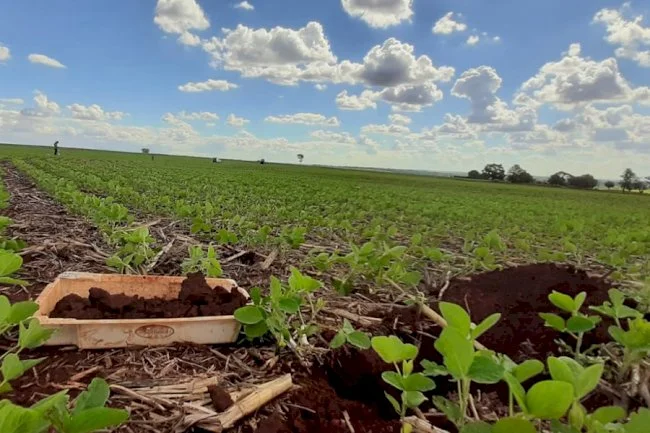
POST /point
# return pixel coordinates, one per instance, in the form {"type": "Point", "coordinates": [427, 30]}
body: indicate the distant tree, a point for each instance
{"type": "Point", "coordinates": [494, 172]}
{"type": "Point", "coordinates": [586, 181]}
{"type": "Point", "coordinates": [627, 179]}
{"type": "Point", "coordinates": [145, 151]}
{"type": "Point", "coordinates": [301, 157]}
{"type": "Point", "coordinates": [639, 185]}
{"type": "Point", "coordinates": [474, 174]}
{"type": "Point", "coordinates": [516, 174]}
{"type": "Point", "coordinates": [559, 179]}
{"type": "Point", "coordinates": [609, 184]}
{"type": "Point", "coordinates": [261, 161]}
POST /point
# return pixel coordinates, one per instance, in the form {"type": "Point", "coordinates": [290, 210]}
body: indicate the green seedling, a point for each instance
{"type": "Point", "coordinates": [204, 262]}
{"type": "Point", "coordinates": [577, 324]}
{"type": "Point", "coordinates": [615, 308]}
{"type": "Point", "coordinates": [516, 374]}
{"type": "Point", "coordinates": [349, 335]}
{"type": "Point", "coordinates": [10, 263]}
{"type": "Point", "coordinates": [134, 251]}
{"type": "Point", "coordinates": [411, 385]}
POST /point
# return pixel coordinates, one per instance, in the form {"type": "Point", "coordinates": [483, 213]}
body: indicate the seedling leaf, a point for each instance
{"type": "Point", "coordinates": [549, 399]}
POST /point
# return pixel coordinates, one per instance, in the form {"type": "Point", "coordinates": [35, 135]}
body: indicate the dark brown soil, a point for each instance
{"type": "Point", "coordinates": [519, 294]}
{"type": "Point", "coordinates": [221, 400]}
{"type": "Point", "coordinates": [196, 299]}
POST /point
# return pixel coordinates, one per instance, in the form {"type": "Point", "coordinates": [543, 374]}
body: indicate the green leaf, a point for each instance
{"type": "Point", "coordinates": [432, 369]}
{"type": "Point", "coordinates": [256, 295]}
{"type": "Point", "coordinates": [528, 369]}
{"type": "Point", "coordinates": [456, 317]}
{"type": "Point", "coordinates": [579, 300]}
{"type": "Point", "coordinates": [338, 340]}
{"type": "Point", "coordinates": [549, 399]}
{"type": "Point", "coordinates": [607, 414]}
{"type": "Point", "coordinates": [34, 335]}
{"type": "Point", "coordinates": [21, 311]}
{"type": "Point", "coordinates": [558, 427]}
{"type": "Point", "coordinates": [418, 382]}
{"type": "Point", "coordinates": [559, 370]}
{"type": "Point", "coordinates": [275, 288]}
{"type": "Point", "coordinates": [485, 325]}
{"type": "Point", "coordinates": [588, 380]}
{"type": "Point", "coordinates": [577, 416]}
{"type": "Point", "coordinates": [579, 324]}
{"type": "Point", "coordinates": [391, 349]}
{"type": "Point", "coordinates": [5, 308]}
{"type": "Point", "coordinates": [477, 427]}
{"type": "Point", "coordinates": [513, 425]}
{"type": "Point", "coordinates": [562, 301]}
{"type": "Point", "coordinates": [457, 352]}
{"type": "Point", "coordinates": [16, 419]}
{"type": "Point", "coordinates": [249, 315]}
{"type": "Point", "coordinates": [95, 396]}
{"type": "Point", "coordinates": [517, 390]}
{"type": "Point", "coordinates": [359, 339]}
{"type": "Point", "coordinates": [485, 370]}
{"type": "Point", "coordinates": [59, 399]}
{"type": "Point", "coordinates": [449, 408]}
{"type": "Point", "coordinates": [12, 281]}
{"type": "Point", "coordinates": [553, 321]}
{"type": "Point", "coordinates": [11, 367]}
{"type": "Point", "coordinates": [638, 423]}
{"type": "Point", "coordinates": [97, 418]}
{"type": "Point", "coordinates": [394, 403]}
{"type": "Point", "coordinates": [289, 304]}
{"type": "Point", "coordinates": [394, 379]}
{"type": "Point", "coordinates": [414, 399]}
{"type": "Point", "coordinates": [256, 330]}
{"type": "Point", "coordinates": [9, 263]}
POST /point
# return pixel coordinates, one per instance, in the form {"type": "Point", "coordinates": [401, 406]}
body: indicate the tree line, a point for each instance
{"type": "Point", "coordinates": [516, 174]}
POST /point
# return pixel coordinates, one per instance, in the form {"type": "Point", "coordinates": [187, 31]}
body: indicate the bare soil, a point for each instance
{"type": "Point", "coordinates": [196, 299]}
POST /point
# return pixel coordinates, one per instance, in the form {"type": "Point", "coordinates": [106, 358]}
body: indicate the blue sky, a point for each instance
{"type": "Point", "coordinates": [418, 84]}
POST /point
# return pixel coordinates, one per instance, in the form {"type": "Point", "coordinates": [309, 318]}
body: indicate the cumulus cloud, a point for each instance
{"type": "Point", "coordinates": [630, 35]}
{"type": "Point", "coordinates": [379, 13]}
{"type": "Point", "coordinates": [94, 112]}
{"type": "Point", "coordinates": [42, 59]}
{"type": "Point", "coordinates": [320, 86]}
{"type": "Point", "coordinates": [245, 6]}
{"type": "Point", "coordinates": [367, 99]}
{"type": "Point", "coordinates": [207, 86]}
{"type": "Point", "coordinates": [180, 16]}
{"type": "Point", "coordinates": [454, 126]}
{"type": "Point", "coordinates": [199, 115]}
{"type": "Point", "coordinates": [576, 80]}
{"type": "Point", "coordinates": [473, 40]}
{"type": "Point", "coordinates": [237, 122]}
{"type": "Point", "coordinates": [189, 39]}
{"type": "Point", "coordinates": [369, 145]}
{"type": "Point", "coordinates": [13, 101]}
{"type": "Point", "coordinates": [5, 53]}
{"type": "Point", "coordinates": [44, 107]}
{"type": "Point", "coordinates": [304, 119]}
{"type": "Point", "coordinates": [391, 129]}
{"type": "Point", "coordinates": [399, 119]}
{"type": "Point", "coordinates": [448, 25]}
{"type": "Point", "coordinates": [409, 97]}
{"type": "Point", "coordinates": [333, 137]}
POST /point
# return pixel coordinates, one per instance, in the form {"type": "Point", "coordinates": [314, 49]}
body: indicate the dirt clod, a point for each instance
{"type": "Point", "coordinates": [221, 400]}
{"type": "Point", "coordinates": [196, 299]}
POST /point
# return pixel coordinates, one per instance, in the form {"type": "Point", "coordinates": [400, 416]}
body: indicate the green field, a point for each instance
{"type": "Point", "coordinates": [475, 225]}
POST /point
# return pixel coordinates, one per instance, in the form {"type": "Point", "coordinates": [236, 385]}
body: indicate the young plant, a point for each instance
{"type": "Point", "coordinates": [10, 263]}
{"type": "Point", "coordinates": [134, 250]}
{"type": "Point", "coordinates": [577, 324]}
{"type": "Point", "coordinates": [461, 360]}
{"type": "Point", "coordinates": [516, 374]}
{"type": "Point", "coordinates": [615, 308]}
{"type": "Point", "coordinates": [279, 313]}
{"type": "Point", "coordinates": [347, 334]}
{"type": "Point", "coordinates": [204, 262]}
{"type": "Point", "coordinates": [411, 385]}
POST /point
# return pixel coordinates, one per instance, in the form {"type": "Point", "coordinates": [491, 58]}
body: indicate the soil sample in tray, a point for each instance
{"type": "Point", "coordinates": [196, 299]}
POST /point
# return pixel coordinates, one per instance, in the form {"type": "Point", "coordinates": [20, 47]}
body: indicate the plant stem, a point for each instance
{"type": "Point", "coordinates": [579, 342]}
{"type": "Point", "coordinates": [511, 404]}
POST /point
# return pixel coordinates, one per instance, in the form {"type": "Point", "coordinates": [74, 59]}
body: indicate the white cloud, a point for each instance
{"type": "Point", "coordinates": [94, 112]}
{"type": "Point", "coordinates": [180, 16]}
{"type": "Point", "coordinates": [304, 119]}
{"type": "Point", "coordinates": [447, 25]}
{"type": "Point", "coordinates": [496, 39]}
{"type": "Point", "coordinates": [13, 101]}
{"type": "Point", "coordinates": [399, 119]}
{"type": "Point", "coordinates": [244, 5]}
{"type": "Point", "coordinates": [235, 121]}
{"type": "Point", "coordinates": [472, 40]}
{"type": "Point", "coordinates": [320, 86]}
{"type": "Point", "coordinates": [367, 99]}
{"type": "Point", "coordinates": [199, 115]}
{"type": "Point", "coordinates": [189, 39]}
{"type": "Point", "coordinates": [45, 60]}
{"type": "Point", "coordinates": [207, 86]}
{"type": "Point", "coordinates": [5, 53]}
{"type": "Point", "coordinates": [576, 80]}
{"type": "Point", "coordinates": [392, 129]}
{"type": "Point", "coordinates": [379, 13]}
{"type": "Point", "coordinates": [411, 97]}
{"type": "Point", "coordinates": [333, 137]}
{"type": "Point", "coordinates": [630, 35]}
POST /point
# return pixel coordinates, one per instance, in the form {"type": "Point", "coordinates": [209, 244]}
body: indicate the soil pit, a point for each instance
{"type": "Point", "coordinates": [196, 299]}
{"type": "Point", "coordinates": [519, 294]}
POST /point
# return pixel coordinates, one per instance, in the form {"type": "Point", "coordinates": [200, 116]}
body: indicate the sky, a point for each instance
{"type": "Point", "coordinates": [408, 84]}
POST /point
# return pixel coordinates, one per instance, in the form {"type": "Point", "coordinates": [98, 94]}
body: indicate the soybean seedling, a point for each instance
{"type": "Point", "coordinates": [347, 334]}
{"type": "Point", "coordinates": [411, 385]}
{"type": "Point", "coordinates": [577, 324]}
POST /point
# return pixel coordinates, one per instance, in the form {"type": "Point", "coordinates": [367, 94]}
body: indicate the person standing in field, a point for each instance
{"type": "Point", "coordinates": [56, 148]}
